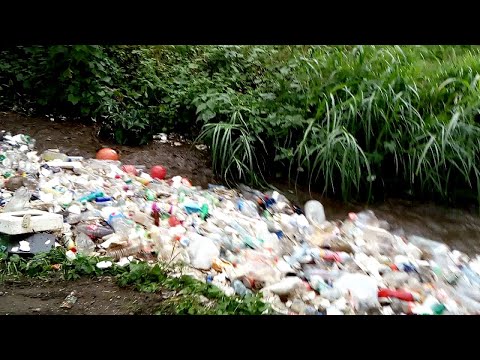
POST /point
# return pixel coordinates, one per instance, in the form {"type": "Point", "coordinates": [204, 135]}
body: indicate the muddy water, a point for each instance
{"type": "Point", "coordinates": [457, 227]}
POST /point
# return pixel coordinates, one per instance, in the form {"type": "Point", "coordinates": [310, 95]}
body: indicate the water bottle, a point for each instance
{"type": "Point", "coordinates": [247, 208]}
{"type": "Point", "coordinates": [366, 218]}
{"type": "Point", "coordinates": [314, 212]}
{"type": "Point", "coordinates": [240, 288]}
{"type": "Point", "coordinates": [120, 224]}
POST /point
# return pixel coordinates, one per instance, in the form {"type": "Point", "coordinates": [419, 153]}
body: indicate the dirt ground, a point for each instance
{"type": "Point", "coordinates": [99, 296]}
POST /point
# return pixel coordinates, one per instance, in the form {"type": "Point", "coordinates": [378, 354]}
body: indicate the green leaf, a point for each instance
{"type": "Point", "coordinates": [201, 107]}
{"type": "Point", "coordinates": [73, 99]}
{"type": "Point", "coordinates": [208, 115]}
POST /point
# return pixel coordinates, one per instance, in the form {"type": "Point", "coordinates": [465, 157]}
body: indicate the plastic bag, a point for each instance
{"type": "Point", "coordinates": [362, 290]}
{"type": "Point", "coordinates": [202, 251]}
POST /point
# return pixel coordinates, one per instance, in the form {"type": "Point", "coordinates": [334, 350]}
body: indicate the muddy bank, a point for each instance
{"type": "Point", "coordinates": [459, 228]}
{"type": "Point", "coordinates": [100, 296]}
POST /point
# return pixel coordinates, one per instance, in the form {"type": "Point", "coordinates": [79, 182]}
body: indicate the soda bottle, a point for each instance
{"type": "Point", "coordinates": [398, 294]}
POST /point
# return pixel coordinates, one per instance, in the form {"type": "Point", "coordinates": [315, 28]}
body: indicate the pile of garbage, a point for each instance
{"type": "Point", "coordinates": [241, 240]}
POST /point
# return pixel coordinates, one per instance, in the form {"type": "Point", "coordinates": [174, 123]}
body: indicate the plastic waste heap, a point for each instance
{"type": "Point", "coordinates": [243, 241]}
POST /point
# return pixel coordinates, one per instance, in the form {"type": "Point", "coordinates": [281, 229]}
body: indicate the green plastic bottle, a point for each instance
{"type": "Point", "coordinates": [181, 197]}
{"type": "Point", "coordinates": [438, 309]}
{"type": "Point", "coordinates": [150, 195]}
{"type": "Point", "coordinates": [204, 211]}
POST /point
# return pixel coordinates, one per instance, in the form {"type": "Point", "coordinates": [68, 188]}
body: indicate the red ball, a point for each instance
{"type": "Point", "coordinates": [158, 172]}
{"type": "Point", "coordinates": [107, 154]}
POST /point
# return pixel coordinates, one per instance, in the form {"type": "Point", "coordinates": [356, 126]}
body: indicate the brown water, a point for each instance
{"type": "Point", "coordinates": [459, 228]}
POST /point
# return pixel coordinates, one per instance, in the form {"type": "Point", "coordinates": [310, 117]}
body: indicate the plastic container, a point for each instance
{"type": "Point", "coordinates": [362, 290]}
{"type": "Point", "coordinates": [53, 154]}
{"type": "Point", "coordinates": [315, 213]}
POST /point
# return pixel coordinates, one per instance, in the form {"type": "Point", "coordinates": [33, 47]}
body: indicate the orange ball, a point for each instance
{"type": "Point", "coordinates": [107, 154]}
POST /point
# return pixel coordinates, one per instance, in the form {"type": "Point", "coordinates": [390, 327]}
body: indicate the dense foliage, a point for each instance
{"type": "Point", "coordinates": [353, 120]}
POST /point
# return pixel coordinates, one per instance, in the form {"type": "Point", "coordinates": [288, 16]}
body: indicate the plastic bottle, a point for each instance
{"type": "Point", "coordinates": [120, 224]}
{"type": "Point", "coordinates": [94, 231]}
{"type": "Point", "coordinates": [247, 208]}
{"type": "Point", "coordinates": [398, 294]}
{"type": "Point", "coordinates": [84, 244]}
{"type": "Point", "coordinates": [104, 201]}
{"type": "Point", "coordinates": [92, 196]}
{"type": "Point", "coordinates": [362, 289]}
{"type": "Point", "coordinates": [141, 218]}
{"type": "Point", "coordinates": [315, 212]}
{"type": "Point", "coordinates": [471, 275]}
{"type": "Point", "coordinates": [339, 257]}
{"type": "Point", "coordinates": [18, 201]}
{"type": "Point", "coordinates": [240, 288]}
{"type": "Point", "coordinates": [150, 195]}
{"type": "Point", "coordinates": [366, 218]}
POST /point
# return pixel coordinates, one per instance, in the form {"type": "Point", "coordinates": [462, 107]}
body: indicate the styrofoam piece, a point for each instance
{"type": "Point", "coordinates": [29, 221]}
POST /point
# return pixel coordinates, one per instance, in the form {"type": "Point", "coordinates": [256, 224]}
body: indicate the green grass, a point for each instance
{"type": "Point", "coordinates": [349, 118]}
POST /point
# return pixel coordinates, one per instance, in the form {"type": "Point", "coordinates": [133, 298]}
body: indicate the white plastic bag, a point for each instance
{"type": "Point", "coordinates": [362, 290]}
{"type": "Point", "coordinates": [202, 251]}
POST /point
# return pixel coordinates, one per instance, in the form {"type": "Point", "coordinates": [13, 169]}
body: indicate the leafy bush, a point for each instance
{"type": "Point", "coordinates": [116, 84]}
{"type": "Point", "coordinates": [356, 121]}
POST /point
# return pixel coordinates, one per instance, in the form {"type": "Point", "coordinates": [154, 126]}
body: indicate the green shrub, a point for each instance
{"type": "Point", "coordinates": [355, 121]}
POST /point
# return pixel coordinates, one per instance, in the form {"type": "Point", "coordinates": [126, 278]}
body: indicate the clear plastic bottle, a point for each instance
{"type": "Point", "coordinates": [120, 224]}
{"type": "Point", "coordinates": [85, 245]}
{"type": "Point", "coordinates": [247, 208]}
{"type": "Point", "coordinates": [315, 213]}
{"type": "Point", "coordinates": [129, 250]}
